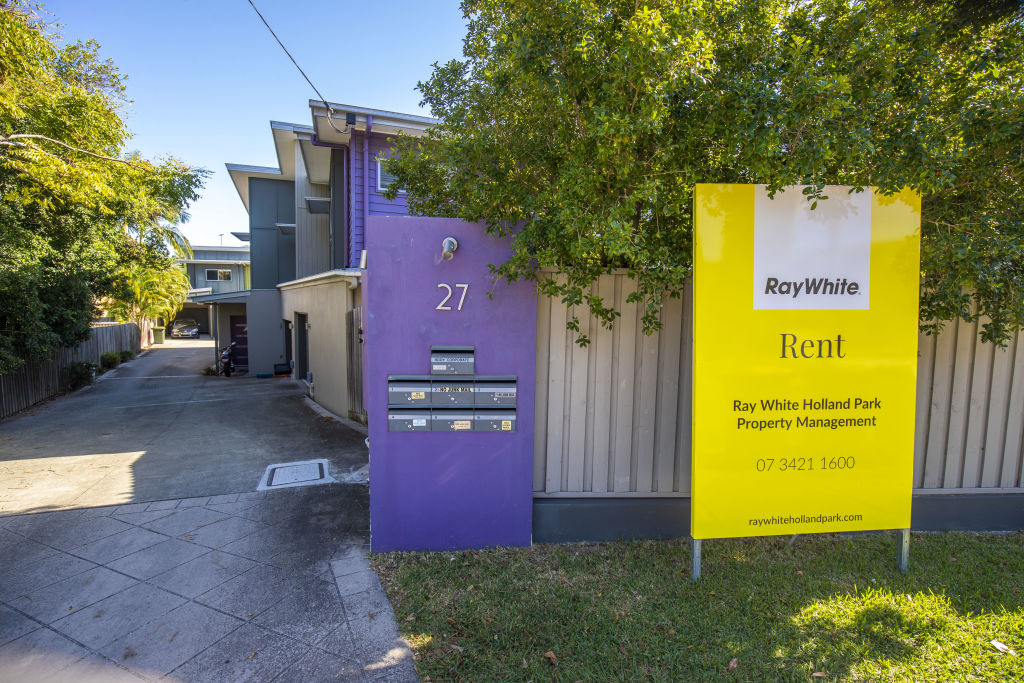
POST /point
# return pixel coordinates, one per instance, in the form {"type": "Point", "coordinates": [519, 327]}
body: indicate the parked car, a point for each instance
{"type": "Point", "coordinates": [185, 327]}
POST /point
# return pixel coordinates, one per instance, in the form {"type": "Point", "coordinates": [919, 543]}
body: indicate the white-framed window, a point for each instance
{"type": "Point", "coordinates": [384, 179]}
{"type": "Point", "coordinates": [213, 275]}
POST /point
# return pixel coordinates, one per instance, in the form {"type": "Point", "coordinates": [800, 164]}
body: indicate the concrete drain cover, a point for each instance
{"type": "Point", "coordinates": [305, 473]}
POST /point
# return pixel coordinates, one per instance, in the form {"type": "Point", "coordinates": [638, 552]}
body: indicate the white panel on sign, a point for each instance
{"type": "Point", "coordinates": [808, 259]}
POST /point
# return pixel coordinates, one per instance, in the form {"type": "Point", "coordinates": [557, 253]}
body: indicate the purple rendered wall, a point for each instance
{"type": "Point", "coordinates": [378, 205]}
{"type": "Point", "coordinates": [444, 491]}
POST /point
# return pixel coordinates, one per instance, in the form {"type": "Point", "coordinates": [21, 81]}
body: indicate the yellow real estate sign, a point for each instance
{"type": "Point", "coordinates": [805, 360]}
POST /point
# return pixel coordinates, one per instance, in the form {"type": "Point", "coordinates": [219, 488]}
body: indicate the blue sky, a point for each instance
{"type": "Point", "coordinates": [206, 77]}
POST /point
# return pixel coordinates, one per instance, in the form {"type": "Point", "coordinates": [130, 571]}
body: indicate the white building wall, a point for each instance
{"type": "Point", "coordinates": [326, 305]}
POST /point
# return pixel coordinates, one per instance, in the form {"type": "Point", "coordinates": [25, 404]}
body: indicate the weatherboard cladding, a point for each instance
{"type": "Point", "coordinates": [197, 277]}
{"type": "Point", "coordinates": [378, 205]}
{"type": "Point", "coordinates": [204, 254]}
{"type": "Point", "coordinates": [339, 207]}
{"type": "Point", "coordinates": [312, 231]}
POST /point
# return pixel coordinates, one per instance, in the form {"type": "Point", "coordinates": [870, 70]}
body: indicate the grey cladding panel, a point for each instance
{"type": "Point", "coordinates": [285, 258]}
{"type": "Point", "coordinates": [271, 202]}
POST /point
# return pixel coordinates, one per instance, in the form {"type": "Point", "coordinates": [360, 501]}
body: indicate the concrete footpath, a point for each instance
{"type": "Point", "coordinates": [135, 546]}
{"type": "Point", "coordinates": [270, 586]}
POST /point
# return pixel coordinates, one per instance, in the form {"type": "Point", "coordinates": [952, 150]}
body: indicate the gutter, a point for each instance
{"type": "Point", "coordinates": [350, 276]}
{"type": "Point", "coordinates": [210, 262]}
{"type": "Point", "coordinates": [366, 174]}
{"type": "Point", "coordinates": [315, 141]}
{"type": "Point", "coordinates": [379, 113]}
{"type": "Point", "coordinates": [350, 218]}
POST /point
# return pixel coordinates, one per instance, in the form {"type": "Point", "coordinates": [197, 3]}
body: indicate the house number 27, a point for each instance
{"type": "Point", "coordinates": [443, 306]}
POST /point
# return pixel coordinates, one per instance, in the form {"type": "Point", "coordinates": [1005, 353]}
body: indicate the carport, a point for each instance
{"type": "Point", "coordinates": [196, 312]}
{"type": "Point", "coordinates": [252, 319]}
{"type": "Point", "coordinates": [228, 321]}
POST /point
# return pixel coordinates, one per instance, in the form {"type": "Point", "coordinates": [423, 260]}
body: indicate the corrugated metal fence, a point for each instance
{"type": "Point", "coordinates": [613, 419]}
{"type": "Point", "coordinates": [37, 382]}
{"type": "Point", "coordinates": [970, 405]}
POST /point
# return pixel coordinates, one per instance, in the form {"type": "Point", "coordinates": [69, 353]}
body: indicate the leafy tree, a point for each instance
{"type": "Point", "coordinates": [582, 127]}
{"type": "Point", "coordinates": [52, 266]}
{"type": "Point", "coordinates": [77, 210]}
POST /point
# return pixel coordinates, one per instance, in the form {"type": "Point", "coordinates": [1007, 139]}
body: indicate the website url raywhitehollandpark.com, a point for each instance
{"type": "Point", "coordinates": [804, 519]}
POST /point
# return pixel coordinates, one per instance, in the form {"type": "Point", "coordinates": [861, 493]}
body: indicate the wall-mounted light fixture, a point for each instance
{"type": "Point", "coordinates": [448, 248]}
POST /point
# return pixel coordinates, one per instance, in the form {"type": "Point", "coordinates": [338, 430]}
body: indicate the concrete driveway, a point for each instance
{"type": "Point", "coordinates": [156, 429]}
{"type": "Point", "coordinates": [149, 554]}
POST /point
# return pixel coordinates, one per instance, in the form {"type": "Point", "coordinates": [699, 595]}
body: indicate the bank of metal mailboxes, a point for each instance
{"type": "Point", "coordinates": [452, 360]}
{"type": "Point", "coordinates": [452, 398]}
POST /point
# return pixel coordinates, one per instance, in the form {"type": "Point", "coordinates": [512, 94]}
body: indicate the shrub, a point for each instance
{"type": "Point", "coordinates": [127, 355]}
{"type": "Point", "coordinates": [110, 359]}
{"type": "Point", "coordinates": [209, 370]}
{"type": "Point", "coordinates": [80, 374]}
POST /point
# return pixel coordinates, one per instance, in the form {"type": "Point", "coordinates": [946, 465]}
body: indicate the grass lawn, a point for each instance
{"type": "Point", "coordinates": [828, 607]}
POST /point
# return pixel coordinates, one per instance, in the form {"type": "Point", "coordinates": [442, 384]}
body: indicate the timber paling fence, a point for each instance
{"type": "Point", "coordinates": [36, 382]}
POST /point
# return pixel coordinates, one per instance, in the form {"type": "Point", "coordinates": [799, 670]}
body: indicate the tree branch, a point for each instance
{"type": "Point", "coordinates": [7, 140]}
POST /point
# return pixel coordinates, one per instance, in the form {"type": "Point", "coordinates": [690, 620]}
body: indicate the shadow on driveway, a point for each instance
{"type": "Point", "coordinates": [157, 429]}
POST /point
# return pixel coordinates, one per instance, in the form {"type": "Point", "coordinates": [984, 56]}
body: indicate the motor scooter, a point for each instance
{"type": "Point", "coordinates": [227, 359]}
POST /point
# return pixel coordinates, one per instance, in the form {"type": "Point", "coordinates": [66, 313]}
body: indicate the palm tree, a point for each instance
{"type": "Point", "coordinates": [170, 234]}
{"type": "Point", "coordinates": [151, 294]}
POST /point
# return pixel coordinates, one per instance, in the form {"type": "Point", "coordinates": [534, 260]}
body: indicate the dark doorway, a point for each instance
{"type": "Point", "coordinates": [288, 342]}
{"type": "Point", "coordinates": [301, 346]}
{"type": "Point", "coordinates": [240, 336]}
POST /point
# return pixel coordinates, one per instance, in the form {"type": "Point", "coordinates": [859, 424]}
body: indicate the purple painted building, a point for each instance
{"type": "Point", "coordinates": [307, 225]}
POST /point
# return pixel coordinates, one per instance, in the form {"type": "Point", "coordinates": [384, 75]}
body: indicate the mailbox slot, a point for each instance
{"type": "Point", "coordinates": [408, 392]}
{"type": "Point", "coordinates": [452, 360]}
{"type": "Point", "coordinates": [494, 421]}
{"type": "Point", "coordinates": [451, 392]}
{"type": "Point", "coordinates": [451, 420]}
{"type": "Point", "coordinates": [408, 420]}
{"type": "Point", "coordinates": [495, 392]}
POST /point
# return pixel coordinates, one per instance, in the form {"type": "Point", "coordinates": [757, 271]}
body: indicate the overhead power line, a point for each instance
{"type": "Point", "coordinates": [322, 98]}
